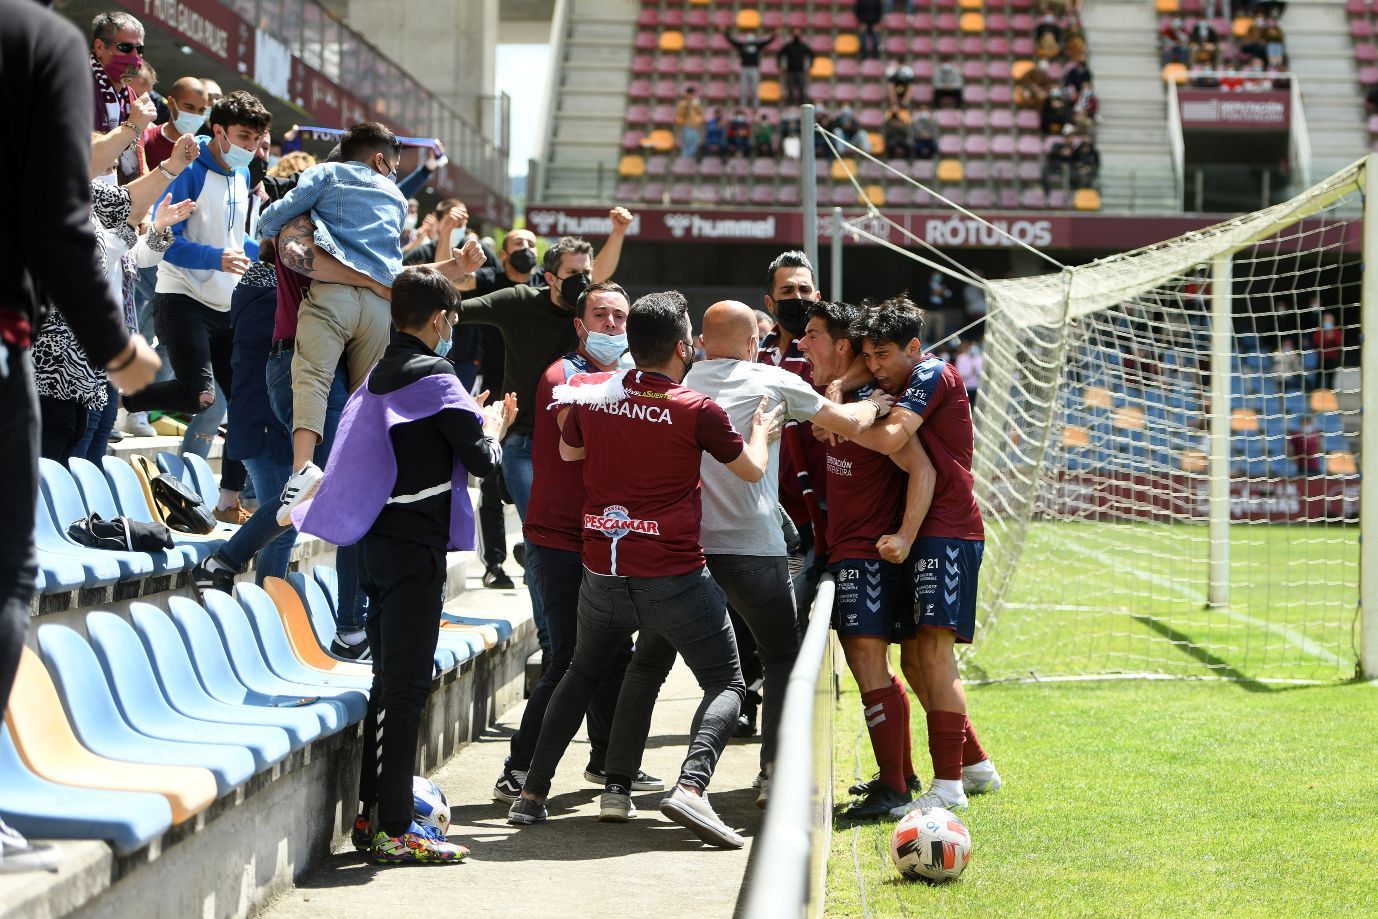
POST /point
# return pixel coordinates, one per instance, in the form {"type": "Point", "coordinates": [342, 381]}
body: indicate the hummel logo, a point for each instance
{"type": "Point", "coordinates": [952, 552]}
{"type": "Point", "coordinates": [951, 598]}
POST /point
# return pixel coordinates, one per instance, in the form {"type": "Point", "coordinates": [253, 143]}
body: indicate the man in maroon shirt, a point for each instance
{"type": "Point", "coordinates": [874, 518]}
{"type": "Point", "coordinates": [931, 401]}
{"type": "Point", "coordinates": [644, 567]}
{"type": "Point", "coordinates": [554, 528]}
{"type": "Point", "coordinates": [187, 109]}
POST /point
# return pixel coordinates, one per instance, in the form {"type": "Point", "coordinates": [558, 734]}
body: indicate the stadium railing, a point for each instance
{"type": "Point", "coordinates": [789, 863]}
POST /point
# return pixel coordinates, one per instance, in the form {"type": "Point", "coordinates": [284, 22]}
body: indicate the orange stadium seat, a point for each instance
{"type": "Point", "coordinates": [671, 41]}
{"type": "Point", "coordinates": [822, 68]}
{"type": "Point", "coordinates": [1175, 72]}
{"type": "Point", "coordinates": [1097, 397]}
{"type": "Point", "coordinates": [631, 166]}
{"type": "Point", "coordinates": [876, 195]}
{"type": "Point", "coordinates": [1019, 68]}
{"type": "Point", "coordinates": [950, 171]}
{"type": "Point", "coordinates": [301, 635]}
{"type": "Point", "coordinates": [846, 43]}
{"type": "Point", "coordinates": [1129, 418]}
{"type": "Point", "coordinates": [661, 140]}
{"type": "Point", "coordinates": [841, 169]}
{"type": "Point", "coordinates": [1192, 461]}
{"type": "Point", "coordinates": [973, 23]}
{"type": "Point", "coordinates": [769, 91]}
{"type": "Point", "coordinates": [971, 4]}
{"type": "Point", "coordinates": [1086, 199]}
{"type": "Point", "coordinates": [748, 20]}
{"type": "Point", "coordinates": [1244, 421]}
{"type": "Point", "coordinates": [1075, 436]}
{"type": "Point", "coordinates": [1323, 400]}
{"type": "Point", "coordinates": [1167, 7]}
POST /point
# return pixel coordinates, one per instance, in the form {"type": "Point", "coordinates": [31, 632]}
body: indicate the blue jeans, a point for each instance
{"type": "Point", "coordinates": [144, 291]}
{"type": "Point", "coordinates": [688, 141]}
{"type": "Point", "coordinates": [270, 474]}
{"type": "Point", "coordinates": [516, 473]}
{"type": "Point", "coordinates": [96, 440]}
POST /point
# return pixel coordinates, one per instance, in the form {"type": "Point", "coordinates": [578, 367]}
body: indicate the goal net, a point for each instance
{"type": "Point", "coordinates": [1166, 455]}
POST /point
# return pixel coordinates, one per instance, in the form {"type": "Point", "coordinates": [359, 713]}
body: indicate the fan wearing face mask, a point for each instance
{"type": "Point", "coordinates": [117, 47]}
{"type": "Point", "coordinates": [791, 289]}
{"type": "Point", "coordinates": [187, 108]}
{"type": "Point", "coordinates": [537, 328]}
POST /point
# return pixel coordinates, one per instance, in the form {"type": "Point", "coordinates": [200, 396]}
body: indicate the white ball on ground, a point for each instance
{"type": "Point", "coordinates": [932, 846]}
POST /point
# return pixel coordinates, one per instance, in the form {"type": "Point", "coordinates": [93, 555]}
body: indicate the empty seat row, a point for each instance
{"type": "Point", "coordinates": [144, 723]}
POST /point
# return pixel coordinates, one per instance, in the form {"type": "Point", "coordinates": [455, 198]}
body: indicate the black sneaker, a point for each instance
{"type": "Point", "coordinates": [642, 781]}
{"type": "Point", "coordinates": [746, 725]}
{"type": "Point", "coordinates": [357, 652]}
{"type": "Point", "coordinates": [524, 811]}
{"type": "Point", "coordinates": [497, 579]}
{"type": "Point", "coordinates": [863, 788]}
{"type": "Point", "coordinates": [519, 554]}
{"type": "Point", "coordinates": [509, 785]}
{"type": "Point", "coordinates": [204, 579]}
{"type": "Point", "coordinates": [878, 803]}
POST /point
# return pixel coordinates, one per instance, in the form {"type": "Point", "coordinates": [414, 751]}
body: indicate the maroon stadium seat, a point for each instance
{"type": "Point", "coordinates": [872, 119]}
{"type": "Point", "coordinates": [1022, 47]}
{"type": "Point", "coordinates": [1002, 145]}
{"type": "Point", "coordinates": [709, 194]}
{"type": "Point", "coordinates": [976, 145]}
{"type": "Point", "coordinates": [948, 118]}
{"type": "Point", "coordinates": [1026, 120]}
{"type": "Point", "coordinates": [1030, 171]}
{"type": "Point", "coordinates": [643, 65]}
{"type": "Point", "coordinates": [681, 193]}
{"type": "Point", "coordinates": [683, 167]}
{"type": "Point", "coordinates": [763, 168]}
{"type": "Point", "coordinates": [652, 193]}
{"type": "Point", "coordinates": [1008, 199]}
{"type": "Point", "coordinates": [787, 195]}
{"type": "Point", "coordinates": [976, 170]}
{"type": "Point", "coordinates": [1032, 198]}
{"type": "Point", "coordinates": [974, 119]}
{"type": "Point", "coordinates": [762, 195]}
{"type": "Point", "coordinates": [789, 169]}
{"type": "Point", "coordinates": [980, 199]}
{"type": "Point", "coordinates": [922, 170]}
{"type": "Point", "coordinates": [1028, 145]}
{"type": "Point", "coordinates": [923, 70]}
{"type": "Point", "coordinates": [950, 145]}
{"type": "Point", "coordinates": [656, 165]}
{"type": "Point", "coordinates": [711, 167]}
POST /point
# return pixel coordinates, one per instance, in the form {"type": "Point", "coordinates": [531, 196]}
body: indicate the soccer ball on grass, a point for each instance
{"type": "Point", "coordinates": [931, 846]}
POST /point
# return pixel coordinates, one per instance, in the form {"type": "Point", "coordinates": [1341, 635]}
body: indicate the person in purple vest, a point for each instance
{"type": "Point", "coordinates": [397, 481]}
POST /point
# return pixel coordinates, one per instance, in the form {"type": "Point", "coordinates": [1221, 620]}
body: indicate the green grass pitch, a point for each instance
{"type": "Point", "coordinates": [1241, 797]}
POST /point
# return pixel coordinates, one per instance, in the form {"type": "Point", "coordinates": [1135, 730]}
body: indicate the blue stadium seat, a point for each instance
{"type": "Point", "coordinates": [181, 685]}
{"type": "Point", "coordinates": [200, 476]}
{"type": "Point", "coordinates": [175, 466]}
{"type": "Point", "coordinates": [222, 619]}
{"type": "Point", "coordinates": [129, 495]}
{"type": "Point", "coordinates": [217, 674]}
{"type": "Point", "coordinates": [101, 728]}
{"type": "Point", "coordinates": [329, 581]}
{"type": "Point", "coordinates": [99, 499]}
{"type": "Point", "coordinates": [65, 565]}
{"type": "Point", "coordinates": [277, 650]}
{"type": "Point", "coordinates": [42, 809]}
{"type": "Point", "coordinates": [1335, 441]}
{"type": "Point", "coordinates": [322, 614]}
{"type": "Point", "coordinates": [64, 503]}
{"type": "Point", "coordinates": [145, 707]}
{"type": "Point", "coordinates": [1294, 403]}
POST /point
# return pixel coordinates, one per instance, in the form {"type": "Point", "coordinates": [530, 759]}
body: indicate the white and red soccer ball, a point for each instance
{"type": "Point", "coordinates": [931, 846]}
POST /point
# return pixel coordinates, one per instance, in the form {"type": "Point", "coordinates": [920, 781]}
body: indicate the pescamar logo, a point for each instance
{"type": "Point", "coordinates": [561, 223]}
{"type": "Point", "coordinates": [615, 523]}
{"type": "Point", "coordinates": [696, 227]}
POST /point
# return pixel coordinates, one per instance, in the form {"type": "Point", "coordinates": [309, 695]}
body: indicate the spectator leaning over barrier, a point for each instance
{"type": "Point", "coordinates": [689, 122]}
{"type": "Point", "coordinates": [795, 59]}
{"type": "Point", "coordinates": [749, 47]}
{"type": "Point", "coordinates": [899, 82]}
{"type": "Point", "coordinates": [52, 249]}
{"type": "Point", "coordinates": [117, 47]}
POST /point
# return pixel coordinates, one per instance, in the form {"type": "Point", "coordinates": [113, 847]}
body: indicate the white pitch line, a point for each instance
{"type": "Point", "coordinates": [1196, 596]}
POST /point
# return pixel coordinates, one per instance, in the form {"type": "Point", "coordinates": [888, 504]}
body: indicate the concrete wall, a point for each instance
{"type": "Point", "coordinates": [448, 45]}
{"type": "Point", "coordinates": [260, 838]}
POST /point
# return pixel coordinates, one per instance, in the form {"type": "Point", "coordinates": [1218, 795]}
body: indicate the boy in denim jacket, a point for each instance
{"type": "Point", "coordinates": [358, 212]}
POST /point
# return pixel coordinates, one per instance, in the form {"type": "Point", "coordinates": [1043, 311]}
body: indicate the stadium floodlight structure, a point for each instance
{"type": "Point", "coordinates": [1144, 514]}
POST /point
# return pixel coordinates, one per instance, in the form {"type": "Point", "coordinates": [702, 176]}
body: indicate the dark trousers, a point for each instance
{"type": "Point", "coordinates": [19, 467]}
{"type": "Point", "coordinates": [796, 87]}
{"type": "Point", "coordinates": [405, 583]}
{"type": "Point", "coordinates": [199, 344]}
{"type": "Point", "coordinates": [491, 494]}
{"type": "Point", "coordinates": [679, 614]}
{"type": "Point", "coordinates": [64, 423]}
{"type": "Point", "coordinates": [761, 594]}
{"type": "Point", "coordinates": [99, 424]}
{"type": "Point", "coordinates": [557, 574]}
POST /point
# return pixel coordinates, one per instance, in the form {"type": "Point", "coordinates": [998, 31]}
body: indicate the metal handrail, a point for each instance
{"type": "Point", "coordinates": [1301, 137]}
{"type": "Point", "coordinates": [1177, 144]}
{"type": "Point", "coordinates": [790, 856]}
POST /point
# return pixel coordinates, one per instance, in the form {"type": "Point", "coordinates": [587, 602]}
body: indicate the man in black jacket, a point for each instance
{"type": "Point", "coordinates": [796, 57]}
{"type": "Point", "coordinates": [403, 565]}
{"type": "Point", "coordinates": [43, 67]}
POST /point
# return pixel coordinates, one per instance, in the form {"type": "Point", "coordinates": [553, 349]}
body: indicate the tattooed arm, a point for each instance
{"type": "Point", "coordinates": [298, 250]}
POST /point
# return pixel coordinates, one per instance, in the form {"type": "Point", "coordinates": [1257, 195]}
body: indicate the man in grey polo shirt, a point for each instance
{"type": "Point", "coordinates": [741, 532]}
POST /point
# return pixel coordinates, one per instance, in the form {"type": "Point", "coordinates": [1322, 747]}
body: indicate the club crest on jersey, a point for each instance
{"type": "Point", "coordinates": [615, 523]}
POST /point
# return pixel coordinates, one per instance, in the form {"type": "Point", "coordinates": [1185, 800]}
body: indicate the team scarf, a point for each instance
{"type": "Point", "coordinates": [591, 388]}
{"type": "Point", "coordinates": [131, 158]}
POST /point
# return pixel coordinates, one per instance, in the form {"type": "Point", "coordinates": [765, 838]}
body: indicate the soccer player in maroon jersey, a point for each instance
{"type": "Point", "coordinates": [641, 436]}
{"type": "Point", "coordinates": [931, 402]}
{"type": "Point", "coordinates": [554, 528]}
{"type": "Point", "coordinates": [872, 519]}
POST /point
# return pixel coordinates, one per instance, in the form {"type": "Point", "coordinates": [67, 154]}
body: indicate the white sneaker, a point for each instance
{"type": "Point", "coordinates": [136, 425]}
{"type": "Point", "coordinates": [300, 485]}
{"type": "Point", "coordinates": [929, 800]}
{"type": "Point", "coordinates": [980, 778]}
{"type": "Point", "coordinates": [18, 854]}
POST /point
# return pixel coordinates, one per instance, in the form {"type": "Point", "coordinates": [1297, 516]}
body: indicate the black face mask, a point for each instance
{"type": "Point", "coordinates": [522, 261]}
{"type": "Point", "coordinates": [571, 287]}
{"type": "Point", "coordinates": [793, 315]}
{"type": "Point", "coordinates": [258, 168]}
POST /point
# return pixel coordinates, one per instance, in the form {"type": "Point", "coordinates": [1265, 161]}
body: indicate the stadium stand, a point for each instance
{"type": "Point", "coordinates": [991, 148]}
